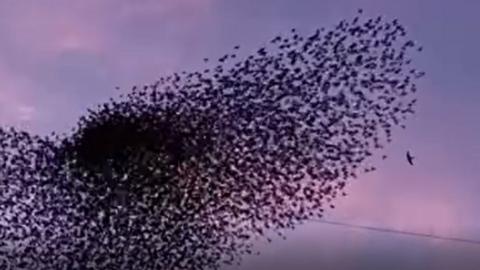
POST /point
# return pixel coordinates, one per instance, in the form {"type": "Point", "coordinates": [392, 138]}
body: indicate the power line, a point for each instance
{"type": "Point", "coordinates": [402, 232]}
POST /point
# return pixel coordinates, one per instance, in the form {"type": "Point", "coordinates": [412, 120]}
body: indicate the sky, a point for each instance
{"type": "Point", "coordinates": [57, 58]}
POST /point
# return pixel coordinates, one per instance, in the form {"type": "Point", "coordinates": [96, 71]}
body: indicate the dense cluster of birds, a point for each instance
{"type": "Point", "coordinates": [184, 173]}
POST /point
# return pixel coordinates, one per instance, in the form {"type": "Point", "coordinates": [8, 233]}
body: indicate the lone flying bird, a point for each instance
{"type": "Point", "coordinates": [410, 158]}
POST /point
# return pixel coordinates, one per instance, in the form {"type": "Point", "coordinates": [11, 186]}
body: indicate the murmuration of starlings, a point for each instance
{"type": "Point", "coordinates": [188, 172]}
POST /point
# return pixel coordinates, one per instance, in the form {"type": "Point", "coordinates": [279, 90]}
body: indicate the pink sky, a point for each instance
{"type": "Point", "coordinates": [58, 58]}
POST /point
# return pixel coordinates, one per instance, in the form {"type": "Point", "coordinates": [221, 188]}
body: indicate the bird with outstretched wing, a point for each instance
{"type": "Point", "coordinates": [410, 158]}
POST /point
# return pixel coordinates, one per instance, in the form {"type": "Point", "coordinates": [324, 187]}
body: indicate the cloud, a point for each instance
{"type": "Point", "coordinates": [14, 102]}
{"type": "Point", "coordinates": [404, 201]}
{"type": "Point", "coordinates": [26, 112]}
{"type": "Point", "coordinates": [64, 57]}
{"type": "Point", "coordinates": [318, 246]}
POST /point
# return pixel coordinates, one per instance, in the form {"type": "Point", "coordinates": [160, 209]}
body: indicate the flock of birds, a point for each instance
{"type": "Point", "coordinates": [186, 172]}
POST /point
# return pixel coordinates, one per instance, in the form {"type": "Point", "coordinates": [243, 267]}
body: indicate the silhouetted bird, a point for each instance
{"type": "Point", "coordinates": [410, 158]}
